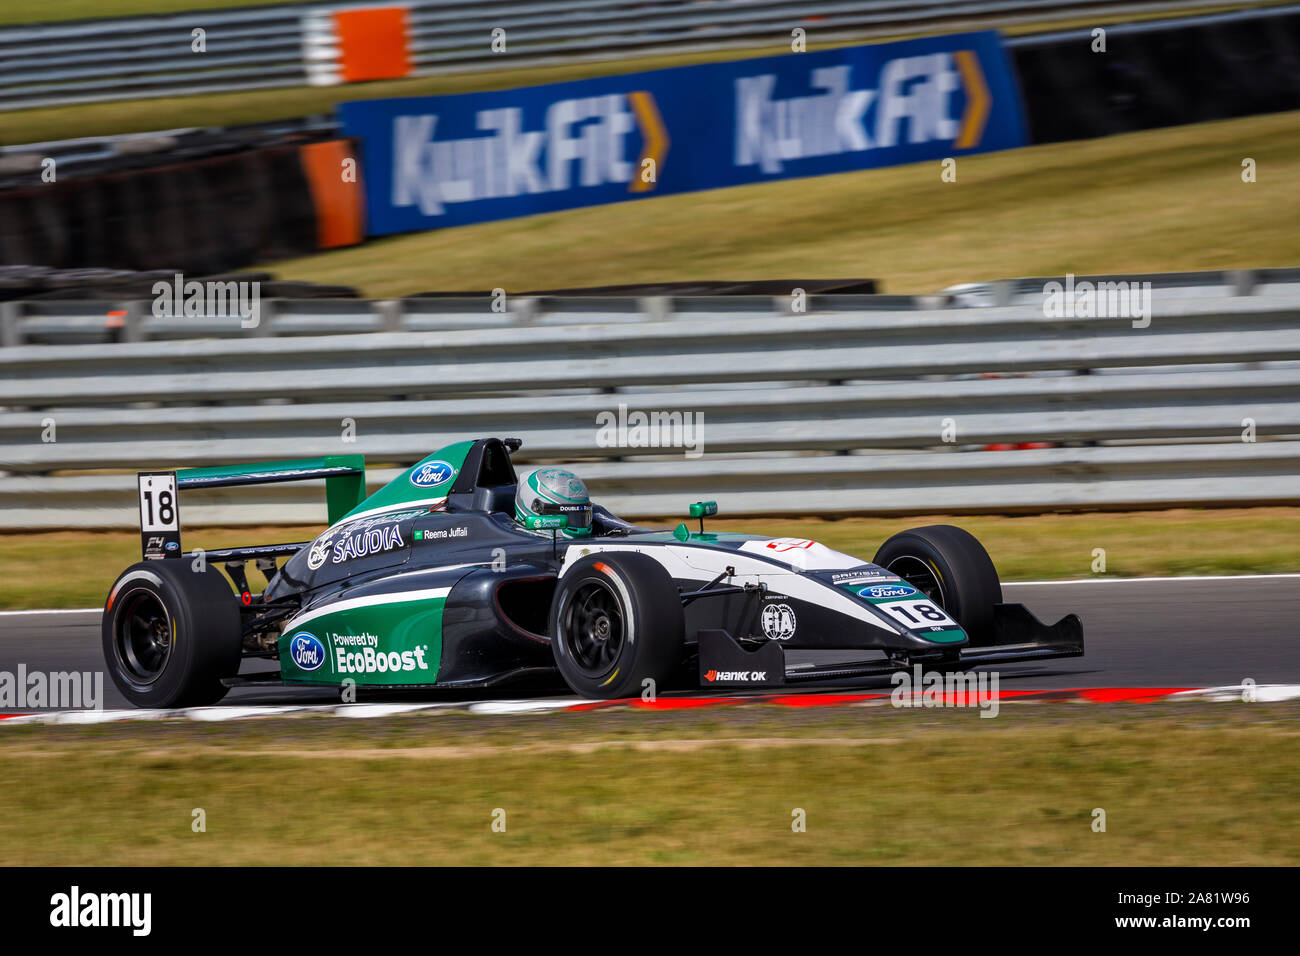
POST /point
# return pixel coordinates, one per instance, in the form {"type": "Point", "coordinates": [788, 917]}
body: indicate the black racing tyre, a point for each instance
{"type": "Point", "coordinates": [616, 620]}
{"type": "Point", "coordinates": [171, 634]}
{"type": "Point", "coordinates": [951, 568]}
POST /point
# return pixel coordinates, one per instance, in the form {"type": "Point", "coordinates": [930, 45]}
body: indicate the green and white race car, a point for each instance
{"type": "Point", "coordinates": [457, 575]}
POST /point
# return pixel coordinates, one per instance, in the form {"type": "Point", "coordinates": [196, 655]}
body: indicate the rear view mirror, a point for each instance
{"type": "Point", "coordinates": [702, 510]}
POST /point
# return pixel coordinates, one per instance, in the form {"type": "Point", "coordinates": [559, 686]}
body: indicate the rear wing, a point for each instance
{"type": "Point", "coordinates": [160, 517]}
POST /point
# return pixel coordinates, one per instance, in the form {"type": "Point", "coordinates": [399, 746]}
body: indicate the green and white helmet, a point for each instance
{"type": "Point", "coordinates": [555, 491]}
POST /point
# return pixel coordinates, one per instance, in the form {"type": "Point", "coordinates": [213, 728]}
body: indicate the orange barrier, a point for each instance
{"type": "Point", "coordinates": [373, 44]}
{"type": "Point", "coordinates": [340, 214]}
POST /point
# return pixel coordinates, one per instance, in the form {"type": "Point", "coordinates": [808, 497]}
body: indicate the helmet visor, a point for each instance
{"type": "Point", "coordinates": [579, 515]}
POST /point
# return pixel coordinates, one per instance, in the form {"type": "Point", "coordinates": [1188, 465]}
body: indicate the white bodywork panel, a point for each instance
{"type": "Point", "coordinates": [704, 564]}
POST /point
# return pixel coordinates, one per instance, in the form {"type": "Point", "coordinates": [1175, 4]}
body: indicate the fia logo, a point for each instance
{"type": "Point", "coordinates": [778, 622]}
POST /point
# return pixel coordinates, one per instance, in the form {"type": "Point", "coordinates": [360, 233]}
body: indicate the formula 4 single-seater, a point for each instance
{"type": "Point", "coordinates": [434, 581]}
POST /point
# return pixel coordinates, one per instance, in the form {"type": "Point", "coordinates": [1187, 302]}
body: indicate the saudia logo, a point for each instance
{"type": "Point", "coordinates": [307, 652]}
{"type": "Point", "coordinates": [357, 541]}
{"type": "Point", "coordinates": [374, 541]}
{"type": "Point", "coordinates": [319, 552]}
{"type": "Point", "coordinates": [887, 591]}
{"type": "Point", "coordinates": [432, 473]}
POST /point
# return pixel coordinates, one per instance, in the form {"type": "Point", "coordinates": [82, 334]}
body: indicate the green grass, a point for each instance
{"type": "Point", "coordinates": [53, 11]}
{"type": "Point", "coordinates": [1181, 784]}
{"type": "Point", "coordinates": [1031, 547]}
{"type": "Point", "coordinates": [1157, 201]}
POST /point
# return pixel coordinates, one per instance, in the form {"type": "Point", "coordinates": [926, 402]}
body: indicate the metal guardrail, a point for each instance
{"type": "Point", "coordinates": [829, 412]}
{"type": "Point", "coordinates": [1030, 291]}
{"type": "Point", "coordinates": [88, 321]}
{"type": "Point", "coordinates": [281, 46]}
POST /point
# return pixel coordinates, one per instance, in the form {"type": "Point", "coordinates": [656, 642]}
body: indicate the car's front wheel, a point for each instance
{"type": "Point", "coordinates": [171, 633]}
{"type": "Point", "coordinates": [950, 567]}
{"type": "Point", "coordinates": [616, 622]}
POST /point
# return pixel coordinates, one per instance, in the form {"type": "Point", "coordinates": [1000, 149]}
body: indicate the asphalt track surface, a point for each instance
{"type": "Point", "coordinates": [1187, 633]}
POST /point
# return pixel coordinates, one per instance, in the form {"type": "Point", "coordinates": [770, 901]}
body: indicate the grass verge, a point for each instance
{"type": "Point", "coordinates": [1181, 784]}
{"type": "Point", "coordinates": [75, 569]}
{"type": "Point", "coordinates": [56, 11]}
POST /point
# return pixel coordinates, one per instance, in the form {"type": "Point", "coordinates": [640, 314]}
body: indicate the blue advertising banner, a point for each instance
{"type": "Point", "coordinates": [451, 160]}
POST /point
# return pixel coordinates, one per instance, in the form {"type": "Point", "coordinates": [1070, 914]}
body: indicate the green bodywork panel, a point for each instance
{"type": "Point", "coordinates": [407, 634]}
{"type": "Point", "coordinates": [950, 636]}
{"type": "Point", "coordinates": [401, 490]}
{"type": "Point", "coordinates": [683, 533]}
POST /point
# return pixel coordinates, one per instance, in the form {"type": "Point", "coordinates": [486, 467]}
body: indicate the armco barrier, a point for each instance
{"type": "Point", "coordinates": [831, 412]}
{"type": "Point", "coordinates": [317, 310]}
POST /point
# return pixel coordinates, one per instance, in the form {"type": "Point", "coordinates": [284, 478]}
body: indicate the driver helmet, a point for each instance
{"type": "Point", "coordinates": [555, 491]}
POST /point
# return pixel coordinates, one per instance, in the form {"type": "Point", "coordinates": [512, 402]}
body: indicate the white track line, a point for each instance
{"type": "Point", "coordinates": [240, 712]}
{"type": "Point", "coordinates": [1264, 693]}
{"type": "Point", "coordinates": [83, 610]}
{"type": "Point", "coordinates": [524, 706]}
{"type": "Point", "coordinates": [1187, 577]}
{"type": "Point", "coordinates": [356, 711]}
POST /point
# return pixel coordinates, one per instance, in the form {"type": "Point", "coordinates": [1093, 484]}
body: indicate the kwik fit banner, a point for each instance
{"type": "Point", "coordinates": [449, 160]}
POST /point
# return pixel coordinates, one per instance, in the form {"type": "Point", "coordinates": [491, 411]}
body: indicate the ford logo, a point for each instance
{"type": "Point", "coordinates": [887, 591]}
{"type": "Point", "coordinates": [432, 473]}
{"type": "Point", "coordinates": [307, 651]}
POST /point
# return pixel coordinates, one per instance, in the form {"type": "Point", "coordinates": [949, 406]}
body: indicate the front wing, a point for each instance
{"type": "Point", "coordinates": [1018, 636]}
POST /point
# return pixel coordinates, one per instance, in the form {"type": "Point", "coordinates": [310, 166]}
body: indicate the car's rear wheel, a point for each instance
{"type": "Point", "coordinates": [616, 621]}
{"type": "Point", "coordinates": [950, 567]}
{"type": "Point", "coordinates": [170, 634]}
